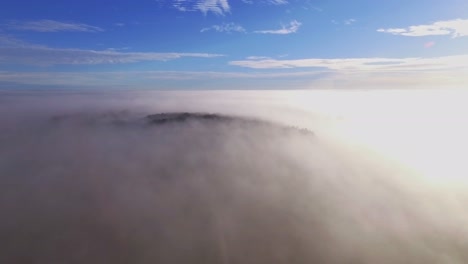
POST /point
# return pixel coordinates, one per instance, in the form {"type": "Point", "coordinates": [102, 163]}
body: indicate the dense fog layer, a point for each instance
{"type": "Point", "coordinates": [89, 178]}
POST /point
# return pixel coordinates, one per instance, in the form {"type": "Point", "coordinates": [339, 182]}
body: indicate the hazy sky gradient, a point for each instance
{"type": "Point", "coordinates": [227, 44]}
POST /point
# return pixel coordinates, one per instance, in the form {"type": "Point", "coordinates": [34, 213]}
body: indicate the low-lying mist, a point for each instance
{"type": "Point", "coordinates": [232, 177]}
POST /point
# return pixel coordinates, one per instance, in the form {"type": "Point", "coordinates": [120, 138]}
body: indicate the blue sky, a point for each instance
{"type": "Point", "coordinates": [227, 44]}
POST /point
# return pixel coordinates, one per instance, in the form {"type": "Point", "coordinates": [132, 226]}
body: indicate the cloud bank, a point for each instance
{"type": "Point", "coordinates": [361, 64]}
{"type": "Point", "coordinates": [86, 178]}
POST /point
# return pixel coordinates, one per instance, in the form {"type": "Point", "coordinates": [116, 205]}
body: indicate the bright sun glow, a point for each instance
{"type": "Point", "coordinates": [425, 130]}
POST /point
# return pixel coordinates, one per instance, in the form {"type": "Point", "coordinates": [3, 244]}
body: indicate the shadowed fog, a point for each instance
{"type": "Point", "coordinates": [107, 178]}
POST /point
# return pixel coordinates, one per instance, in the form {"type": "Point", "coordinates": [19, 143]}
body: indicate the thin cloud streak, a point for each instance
{"type": "Point", "coordinates": [226, 28]}
{"type": "Point", "coordinates": [10, 41]}
{"type": "Point", "coordinates": [456, 28]}
{"type": "Point", "coordinates": [350, 21]}
{"type": "Point", "coordinates": [361, 64]}
{"type": "Point", "coordinates": [150, 79]}
{"type": "Point", "coordinates": [293, 28]}
{"type": "Point", "coordinates": [44, 56]}
{"type": "Point", "coordinates": [278, 2]}
{"type": "Point", "coordinates": [268, 2]}
{"type": "Point", "coordinates": [206, 80]}
{"type": "Point", "coordinates": [218, 7]}
{"type": "Point", "coordinates": [46, 25]}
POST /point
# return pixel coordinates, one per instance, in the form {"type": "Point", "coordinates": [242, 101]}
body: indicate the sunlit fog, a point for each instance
{"type": "Point", "coordinates": [233, 131]}
{"type": "Point", "coordinates": [248, 177]}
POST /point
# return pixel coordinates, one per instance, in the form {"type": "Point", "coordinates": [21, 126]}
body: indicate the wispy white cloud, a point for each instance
{"type": "Point", "coordinates": [62, 77]}
{"type": "Point", "coordinates": [350, 21]}
{"type": "Point", "coordinates": [10, 41]}
{"type": "Point", "coordinates": [219, 7]}
{"type": "Point", "coordinates": [158, 79]}
{"type": "Point", "coordinates": [252, 80]}
{"type": "Point", "coordinates": [278, 2]}
{"type": "Point", "coordinates": [271, 2]}
{"type": "Point", "coordinates": [46, 25]}
{"type": "Point", "coordinates": [258, 58]}
{"type": "Point", "coordinates": [373, 73]}
{"type": "Point", "coordinates": [215, 6]}
{"type": "Point", "coordinates": [362, 64]}
{"type": "Point", "coordinates": [292, 28]}
{"type": "Point", "coordinates": [455, 28]}
{"type": "Point", "coordinates": [226, 27]}
{"type": "Point", "coordinates": [14, 51]}
{"type": "Point", "coordinates": [346, 22]}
